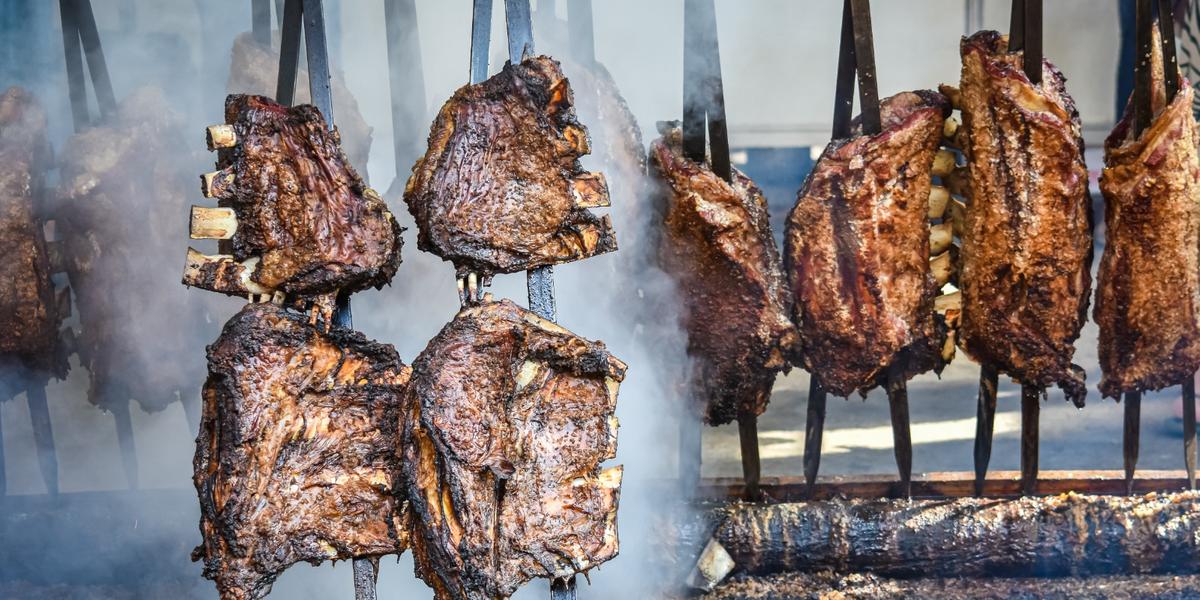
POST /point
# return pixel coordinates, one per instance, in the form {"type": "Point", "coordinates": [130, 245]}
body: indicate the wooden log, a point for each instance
{"type": "Point", "coordinates": [1067, 534]}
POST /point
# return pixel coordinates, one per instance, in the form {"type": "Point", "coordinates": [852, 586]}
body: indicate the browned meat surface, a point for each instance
{"type": "Point", "coordinates": [121, 194]}
{"type": "Point", "coordinates": [857, 251]}
{"type": "Point", "coordinates": [297, 450]}
{"type": "Point", "coordinates": [254, 69]}
{"type": "Point", "coordinates": [1027, 236]}
{"type": "Point", "coordinates": [507, 420]}
{"type": "Point", "coordinates": [500, 189]}
{"type": "Point", "coordinates": [30, 313]}
{"type": "Point", "coordinates": [306, 223]}
{"type": "Point", "coordinates": [599, 102]}
{"type": "Point", "coordinates": [1148, 289]}
{"type": "Point", "coordinates": [716, 242]}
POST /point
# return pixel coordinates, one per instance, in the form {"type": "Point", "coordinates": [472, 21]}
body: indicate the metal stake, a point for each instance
{"type": "Point", "coordinates": [691, 448]}
{"type": "Point", "coordinates": [814, 428]}
{"type": "Point", "coordinates": [407, 85]}
{"type": "Point", "coordinates": [124, 423]}
{"type": "Point", "coordinates": [3, 469]}
{"type": "Point", "coordinates": [897, 391]}
{"type": "Point", "coordinates": [43, 436]}
{"type": "Point", "coordinates": [1031, 397]}
{"type": "Point", "coordinates": [366, 575]}
{"type": "Point", "coordinates": [260, 20]}
{"type": "Point", "coordinates": [1189, 430]}
{"type": "Point", "coordinates": [1133, 417]}
{"type": "Point", "coordinates": [562, 589]}
{"type": "Point", "coordinates": [985, 420]}
{"type": "Point", "coordinates": [751, 464]}
{"type": "Point", "coordinates": [1141, 74]}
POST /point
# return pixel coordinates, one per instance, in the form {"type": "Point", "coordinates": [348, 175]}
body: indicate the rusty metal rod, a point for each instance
{"type": "Point", "coordinates": [1031, 397]}
{"type": "Point", "coordinates": [366, 574]}
{"type": "Point", "coordinates": [1133, 418]}
{"type": "Point", "coordinates": [690, 452]}
{"type": "Point", "coordinates": [3, 471]}
{"type": "Point", "coordinates": [751, 464]}
{"type": "Point", "coordinates": [124, 423]}
{"type": "Point", "coordinates": [897, 392]}
{"type": "Point", "coordinates": [985, 422]}
{"type": "Point", "coordinates": [562, 589]}
{"type": "Point", "coordinates": [814, 429]}
{"type": "Point", "coordinates": [1141, 73]}
{"type": "Point", "coordinates": [1189, 430]}
{"type": "Point", "coordinates": [43, 436]}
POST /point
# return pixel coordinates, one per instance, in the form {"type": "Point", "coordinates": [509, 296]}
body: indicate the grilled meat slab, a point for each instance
{"type": "Point", "coordinates": [716, 242]}
{"type": "Point", "coordinates": [120, 195]}
{"type": "Point", "coordinates": [1148, 289]}
{"type": "Point", "coordinates": [30, 312]}
{"type": "Point", "coordinates": [857, 251]}
{"type": "Point", "coordinates": [297, 449]}
{"type": "Point", "coordinates": [500, 189]}
{"type": "Point", "coordinates": [254, 69]}
{"type": "Point", "coordinates": [1027, 236]}
{"type": "Point", "coordinates": [507, 419]}
{"type": "Point", "coordinates": [307, 224]}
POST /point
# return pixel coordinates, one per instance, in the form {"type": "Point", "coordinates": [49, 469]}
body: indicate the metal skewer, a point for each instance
{"type": "Point", "coordinates": [1133, 417]}
{"type": "Point", "coordinates": [814, 427]}
{"type": "Point", "coordinates": [1031, 397]}
{"type": "Point", "coordinates": [1189, 430]}
{"type": "Point", "coordinates": [124, 422]}
{"type": "Point", "coordinates": [3, 470]}
{"type": "Point", "coordinates": [260, 21]}
{"type": "Point", "coordinates": [407, 84]}
{"type": "Point", "coordinates": [985, 422]}
{"type": "Point", "coordinates": [43, 435]}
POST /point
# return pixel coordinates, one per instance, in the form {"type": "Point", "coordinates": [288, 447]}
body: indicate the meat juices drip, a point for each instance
{"type": "Point", "coordinates": [500, 189]}
{"type": "Point", "coordinates": [1027, 235]}
{"type": "Point", "coordinates": [506, 421]}
{"type": "Point", "coordinates": [30, 309]}
{"type": "Point", "coordinates": [297, 450]}
{"type": "Point", "coordinates": [120, 195]}
{"type": "Point", "coordinates": [857, 251]}
{"type": "Point", "coordinates": [1148, 289]}
{"type": "Point", "coordinates": [307, 225]}
{"type": "Point", "coordinates": [715, 240]}
{"type": "Point", "coordinates": [254, 70]}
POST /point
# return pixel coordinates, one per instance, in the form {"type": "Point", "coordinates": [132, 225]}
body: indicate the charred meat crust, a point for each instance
{"type": "Point", "coordinates": [1027, 239]}
{"type": "Point", "coordinates": [506, 421]}
{"type": "Point", "coordinates": [1148, 288]}
{"type": "Point", "coordinates": [716, 242]}
{"type": "Point", "coordinates": [302, 210]}
{"type": "Point", "coordinates": [497, 190]}
{"type": "Point", "coordinates": [296, 454]}
{"type": "Point", "coordinates": [857, 251]}
{"type": "Point", "coordinates": [30, 315]}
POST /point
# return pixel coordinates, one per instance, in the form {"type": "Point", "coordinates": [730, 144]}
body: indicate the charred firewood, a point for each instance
{"type": "Point", "coordinates": [305, 223]}
{"type": "Point", "coordinates": [715, 241]}
{"type": "Point", "coordinates": [507, 419]}
{"type": "Point", "coordinates": [858, 250]}
{"type": "Point", "coordinates": [1027, 233]}
{"type": "Point", "coordinates": [297, 450]}
{"type": "Point", "coordinates": [500, 189]}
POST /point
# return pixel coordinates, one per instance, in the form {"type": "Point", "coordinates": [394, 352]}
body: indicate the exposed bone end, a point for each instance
{"type": "Point", "coordinates": [947, 303]}
{"type": "Point", "coordinates": [528, 372]}
{"type": "Point", "coordinates": [950, 128]}
{"type": "Point", "coordinates": [221, 136]}
{"type": "Point", "coordinates": [957, 216]}
{"type": "Point", "coordinates": [938, 198]}
{"type": "Point", "coordinates": [216, 184]}
{"type": "Point", "coordinates": [958, 181]}
{"type": "Point", "coordinates": [953, 94]}
{"type": "Point", "coordinates": [590, 190]}
{"type": "Point", "coordinates": [948, 346]}
{"type": "Point", "coordinates": [943, 163]}
{"type": "Point", "coordinates": [712, 567]}
{"type": "Point", "coordinates": [577, 140]}
{"type": "Point", "coordinates": [940, 238]}
{"type": "Point", "coordinates": [942, 267]}
{"type": "Point", "coordinates": [221, 273]}
{"type": "Point", "coordinates": [212, 223]}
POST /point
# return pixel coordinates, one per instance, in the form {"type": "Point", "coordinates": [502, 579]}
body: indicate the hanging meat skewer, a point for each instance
{"type": "Point", "coordinates": [858, 247]}
{"type": "Point", "coordinates": [1148, 289]}
{"type": "Point", "coordinates": [1027, 225]}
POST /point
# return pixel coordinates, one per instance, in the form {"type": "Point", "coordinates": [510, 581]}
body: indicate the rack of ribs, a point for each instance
{"type": "Point", "coordinates": [1027, 229]}
{"type": "Point", "coordinates": [506, 421]}
{"type": "Point", "coordinates": [119, 198]}
{"type": "Point", "coordinates": [31, 310]}
{"type": "Point", "coordinates": [297, 449]}
{"type": "Point", "coordinates": [857, 250]}
{"type": "Point", "coordinates": [1148, 288]}
{"type": "Point", "coordinates": [500, 189]}
{"type": "Point", "coordinates": [298, 219]}
{"type": "Point", "coordinates": [715, 240]}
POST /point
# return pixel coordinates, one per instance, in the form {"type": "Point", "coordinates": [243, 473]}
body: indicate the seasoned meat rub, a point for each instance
{"type": "Point", "coordinates": [507, 419]}
{"type": "Point", "coordinates": [1027, 236]}
{"type": "Point", "coordinates": [297, 450]}
{"type": "Point", "coordinates": [500, 189]}
{"type": "Point", "coordinates": [716, 242]}
{"type": "Point", "coordinates": [306, 223]}
{"type": "Point", "coordinates": [30, 311]}
{"type": "Point", "coordinates": [857, 251]}
{"type": "Point", "coordinates": [1148, 289]}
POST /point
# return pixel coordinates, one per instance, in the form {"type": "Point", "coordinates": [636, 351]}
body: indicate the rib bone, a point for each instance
{"type": "Point", "coordinates": [221, 136]}
{"type": "Point", "coordinates": [940, 237]}
{"type": "Point", "coordinates": [221, 273]}
{"type": "Point", "coordinates": [938, 198]}
{"type": "Point", "coordinates": [590, 190]}
{"type": "Point", "coordinates": [212, 223]}
{"type": "Point", "coordinates": [216, 184]}
{"type": "Point", "coordinates": [943, 163]}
